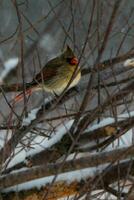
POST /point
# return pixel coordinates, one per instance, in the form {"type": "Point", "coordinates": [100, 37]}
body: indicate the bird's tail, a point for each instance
{"type": "Point", "coordinates": [30, 87]}
{"type": "Point", "coordinates": [20, 96]}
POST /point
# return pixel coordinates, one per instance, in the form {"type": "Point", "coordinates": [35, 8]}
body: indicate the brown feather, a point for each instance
{"type": "Point", "coordinates": [45, 75]}
{"type": "Point", "coordinates": [55, 75]}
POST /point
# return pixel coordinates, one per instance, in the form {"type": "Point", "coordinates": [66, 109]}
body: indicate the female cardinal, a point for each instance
{"type": "Point", "coordinates": [56, 75]}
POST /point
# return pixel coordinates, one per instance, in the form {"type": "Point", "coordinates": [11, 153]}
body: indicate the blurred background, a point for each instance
{"type": "Point", "coordinates": [33, 32]}
{"type": "Point", "coordinates": [48, 26]}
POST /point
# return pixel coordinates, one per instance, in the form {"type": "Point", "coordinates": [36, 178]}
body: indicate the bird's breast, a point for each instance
{"type": "Point", "coordinates": [63, 76]}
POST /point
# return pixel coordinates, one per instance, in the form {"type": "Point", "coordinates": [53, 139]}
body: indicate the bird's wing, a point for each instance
{"type": "Point", "coordinates": [45, 74]}
{"type": "Point", "coordinates": [49, 71]}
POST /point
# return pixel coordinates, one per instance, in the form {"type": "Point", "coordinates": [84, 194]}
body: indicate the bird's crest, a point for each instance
{"type": "Point", "coordinates": [68, 53]}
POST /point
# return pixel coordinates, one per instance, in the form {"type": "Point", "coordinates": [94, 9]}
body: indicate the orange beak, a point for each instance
{"type": "Point", "coordinates": [74, 61]}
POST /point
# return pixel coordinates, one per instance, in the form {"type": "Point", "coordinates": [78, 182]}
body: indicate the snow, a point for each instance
{"type": "Point", "coordinates": [129, 62]}
{"type": "Point", "coordinates": [11, 63]}
{"type": "Point", "coordinates": [4, 136]}
{"type": "Point", "coordinates": [123, 141]}
{"type": "Point", "coordinates": [8, 66]}
{"type": "Point", "coordinates": [110, 120]}
{"type": "Point", "coordinates": [47, 143]}
{"type": "Point", "coordinates": [69, 177]}
{"type": "Point", "coordinates": [31, 116]}
{"type": "Point", "coordinates": [40, 143]}
{"type": "Point", "coordinates": [71, 197]}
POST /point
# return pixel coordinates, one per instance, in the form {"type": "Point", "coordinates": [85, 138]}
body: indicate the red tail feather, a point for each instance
{"type": "Point", "coordinates": [20, 96]}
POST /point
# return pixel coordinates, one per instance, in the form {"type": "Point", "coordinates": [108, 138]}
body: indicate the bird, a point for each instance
{"type": "Point", "coordinates": [60, 73]}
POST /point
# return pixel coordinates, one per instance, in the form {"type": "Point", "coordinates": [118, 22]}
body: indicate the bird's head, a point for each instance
{"type": "Point", "coordinates": [69, 56]}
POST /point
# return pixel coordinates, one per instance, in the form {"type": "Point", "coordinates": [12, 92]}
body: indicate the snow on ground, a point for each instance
{"type": "Point", "coordinates": [4, 136]}
{"type": "Point", "coordinates": [40, 143]}
{"type": "Point", "coordinates": [110, 120]}
{"type": "Point", "coordinates": [8, 66]}
{"type": "Point", "coordinates": [68, 177]}
{"type": "Point", "coordinates": [129, 62]}
{"type": "Point", "coordinates": [47, 143]}
{"type": "Point", "coordinates": [123, 141]}
{"type": "Point", "coordinates": [31, 116]}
